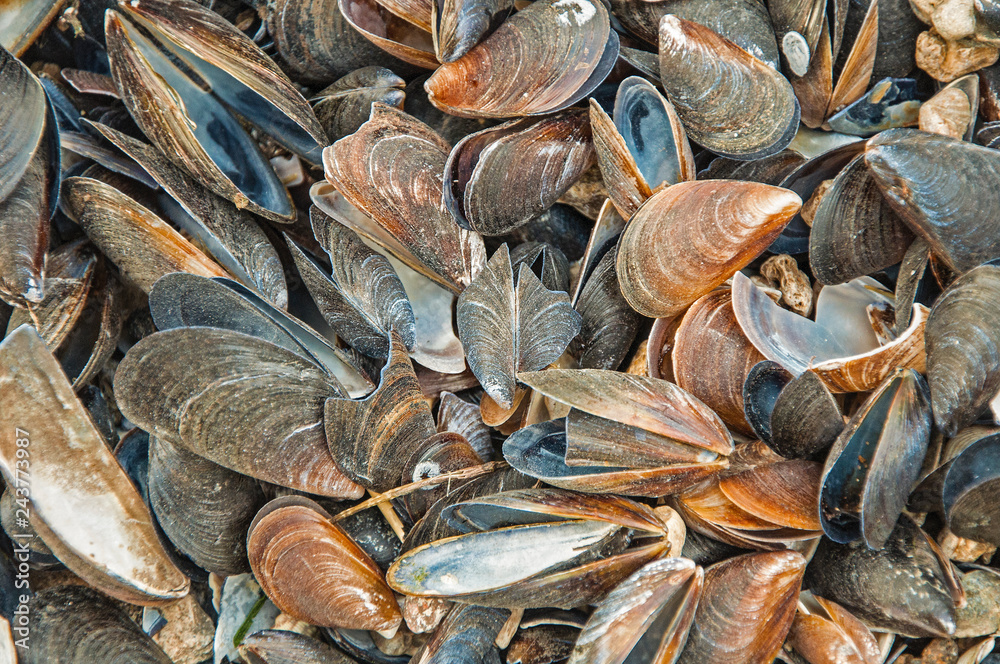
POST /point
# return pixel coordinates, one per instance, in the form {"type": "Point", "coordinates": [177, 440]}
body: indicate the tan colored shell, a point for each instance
{"type": "Point", "coordinates": [392, 169]}
{"type": "Point", "coordinates": [710, 336]}
{"type": "Point", "coordinates": [864, 372]}
{"type": "Point", "coordinates": [538, 61]}
{"type": "Point", "coordinates": [312, 570]}
{"type": "Point", "coordinates": [77, 489]}
{"type": "Point", "coordinates": [746, 609]}
{"type": "Point", "coordinates": [729, 101]}
{"type": "Point", "coordinates": [690, 237]}
{"type": "Point", "coordinates": [143, 246]}
{"type": "Point", "coordinates": [627, 188]}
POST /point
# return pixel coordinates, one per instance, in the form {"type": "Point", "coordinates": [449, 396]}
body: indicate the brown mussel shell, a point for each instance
{"type": "Point", "coordinates": [729, 101]}
{"type": "Point", "coordinates": [500, 178]}
{"type": "Point", "coordinates": [408, 153]}
{"type": "Point", "coordinates": [542, 59]}
{"type": "Point", "coordinates": [650, 612]}
{"type": "Point", "coordinates": [690, 237]}
{"type": "Point", "coordinates": [709, 335]}
{"type": "Point", "coordinates": [746, 609]}
{"type": "Point", "coordinates": [313, 571]}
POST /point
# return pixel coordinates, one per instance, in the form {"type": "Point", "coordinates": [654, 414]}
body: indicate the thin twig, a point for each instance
{"type": "Point", "coordinates": [390, 516]}
{"type": "Point", "coordinates": [462, 474]}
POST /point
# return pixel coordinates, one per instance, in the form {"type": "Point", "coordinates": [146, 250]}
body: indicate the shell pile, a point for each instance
{"type": "Point", "coordinates": [482, 331]}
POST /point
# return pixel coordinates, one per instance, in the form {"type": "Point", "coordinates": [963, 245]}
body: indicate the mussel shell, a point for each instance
{"type": "Point", "coordinates": [690, 237]}
{"type": "Point", "coordinates": [785, 493]}
{"type": "Point", "coordinates": [396, 36]}
{"type": "Point", "coordinates": [561, 564]}
{"type": "Point", "coordinates": [408, 154]}
{"type": "Point", "coordinates": [963, 348]}
{"type": "Point", "coordinates": [170, 385]}
{"type": "Point", "coordinates": [709, 335]}
{"type": "Point", "coordinates": [233, 236]}
{"type": "Point", "coordinates": [500, 178]}
{"type": "Point", "coordinates": [458, 25]}
{"type": "Point", "coordinates": [855, 232]}
{"type": "Point", "coordinates": [902, 587]}
{"type": "Point", "coordinates": [936, 197]}
{"type": "Point", "coordinates": [744, 22]}
{"type": "Point", "coordinates": [540, 451]}
{"type": "Point", "coordinates": [435, 344]}
{"type": "Point", "coordinates": [803, 181]}
{"type": "Point", "coordinates": [540, 60]}
{"type": "Point", "coordinates": [154, 90]}
{"type": "Point", "coordinates": [313, 571]}
{"type": "Point", "coordinates": [317, 44]}
{"type": "Point", "coordinates": [432, 526]}
{"type": "Point", "coordinates": [468, 634]}
{"type": "Point", "coordinates": [25, 176]}
{"type": "Point", "coordinates": [876, 460]}
{"type": "Point", "coordinates": [76, 486]}
{"type": "Point", "coordinates": [649, 404]}
{"type": "Point", "coordinates": [967, 490]}
{"type": "Point", "coordinates": [805, 419]}
{"type": "Point", "coordinates": [457, 415]}
{"type": "Point", "coordinates": [78, 625]}
{"type": "Point", "coordinates": [729, 101]}
{"type": "Point", "coordinates": [508, 326]}
{"type": "Point", "coordinates": [186, 300]}
{"type": "Point", "coordinates": [372, 439]}
{"type": "Point", "coordinates": [347, 103]}
{"type": "Point", "coordinates": [362, 298]}
{"type": "Point", "coordinates": [238, 71]}
{"type": "Point", "coordinates": [746, 609]}
{"type": "Point", "coordinates": [278, 646]}
{"type": "Point", "coordinates": [143, 246]}
{"type": "Point", "coordinates": [547, 262]}
{"type": "Point", "coordinates": [832, 634]}
{"type": "Point", "coordinates": [648, 616]}
{"type": "Point", "coordinates": [543, 504]}
{"type": "Point", "coordinates": [608, 324]}
{"type": "Point", "coordinates": [203, 508]}
{"type": "Point", "coordinates": [764, 382]}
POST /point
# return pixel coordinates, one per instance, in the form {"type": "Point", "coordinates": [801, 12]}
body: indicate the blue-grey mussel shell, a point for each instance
{"type": "Point", "coordinates": [563, 550]}
{"type": "Point", "coordinates": [905, 587]}
{"type": "Point", "coordinates": [875, 461]}
{"type": "Point", "coordinates": [936, 184]}
{"type": "Point", "coordinates": [78, 625]}
{"type": "Point", "coordinates": [963, 348]}
{"type": "Point", "coordinates": [969, 490]}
